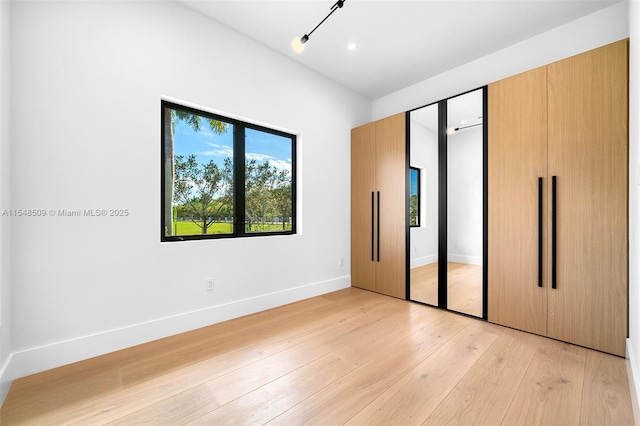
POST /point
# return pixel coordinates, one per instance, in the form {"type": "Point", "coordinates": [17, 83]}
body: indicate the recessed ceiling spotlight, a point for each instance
{"type": "Point", "coordinates": [463, 121]}
{"type": "Point", "coordinates": [352, 46]}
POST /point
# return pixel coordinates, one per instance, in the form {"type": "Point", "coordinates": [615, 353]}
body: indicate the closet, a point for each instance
{"type": "Point", "coordinates": [378, 206]}
{"type": "Point", "coordinates": [558, 185]}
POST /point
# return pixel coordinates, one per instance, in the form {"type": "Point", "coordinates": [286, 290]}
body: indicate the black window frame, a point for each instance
{"type": "Point", "coordinates": [419, 172]}
{"type": "Point", "coordinates": [239, 219]}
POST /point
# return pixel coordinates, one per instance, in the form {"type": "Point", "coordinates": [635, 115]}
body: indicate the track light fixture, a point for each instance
{"type": "Point", "coordinates": [335, 7]}
{"type": "Point", "coordinates": [452, 130]}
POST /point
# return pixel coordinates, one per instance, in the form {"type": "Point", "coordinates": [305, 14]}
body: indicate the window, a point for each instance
{"type": "Point", "coordinates": [223, 177]}
{"type": "Point", "coordinates": [414, 196]}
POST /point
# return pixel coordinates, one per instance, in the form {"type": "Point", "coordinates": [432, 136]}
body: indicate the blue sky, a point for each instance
{"type": "Point", "coordinates": [414, 181]}
{"type": "Point", "coordinates": [208, 146]}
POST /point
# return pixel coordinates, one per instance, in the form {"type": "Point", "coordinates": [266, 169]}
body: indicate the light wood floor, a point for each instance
{"type": "Point", "coordinates": [351, 356]}
{"type": "Point", "coordinates": [464, 286]}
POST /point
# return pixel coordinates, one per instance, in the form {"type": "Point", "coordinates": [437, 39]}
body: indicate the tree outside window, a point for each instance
{"type": "Point", "coordinates": [207, 193]}
{"type": "Point", "coordinates": [414, 196]}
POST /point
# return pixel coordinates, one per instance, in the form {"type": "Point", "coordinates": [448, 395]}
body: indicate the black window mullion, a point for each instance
{"type": "Point", "coordinates": [239, 180]}
{"type": "Point", "coordinates": [294, 187]}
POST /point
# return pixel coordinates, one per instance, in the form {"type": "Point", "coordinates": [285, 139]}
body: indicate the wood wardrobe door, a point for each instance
{"type": "Point", "coordinates": [588, 152]}
{"type": "Point", "coordinates": [391, 170]}
{"type": "Point", "coordinates": [362, 206]}
{"type": "Point", "coordinates": [517, 145]}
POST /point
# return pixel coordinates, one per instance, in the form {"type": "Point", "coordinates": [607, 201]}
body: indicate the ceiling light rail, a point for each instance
{"type": "Point", "coordinates": [336, 6]}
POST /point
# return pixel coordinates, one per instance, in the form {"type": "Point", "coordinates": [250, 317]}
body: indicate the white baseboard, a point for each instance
{"type": "Point", "coordinates": [634, 380]}
{"type": "Point", "coordinates": [5, 385]}
{"type": "Point", "coordinates": [469, 260]}
{"type": "Point", "coordinates": [458, 258]}
{"type": "Point", "coordinates": [422, 261]}
{"type": "Point", "coordinates": [42, 358]}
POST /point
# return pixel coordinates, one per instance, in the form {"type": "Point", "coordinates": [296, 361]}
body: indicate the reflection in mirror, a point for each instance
{"type": "Point", "coordinates": [465, 203]}
{"type": "Point", "coordinates": [424, 234]}
{"type": "Point", "coordinates": [414, 196]}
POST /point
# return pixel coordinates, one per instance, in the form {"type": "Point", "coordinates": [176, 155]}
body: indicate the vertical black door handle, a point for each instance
{"type": "Point", "coordinates": [539, 232]}
{"type": "Point", "coordinates": [378, 219]}
{"type": "Point", "coordinates": [372, 224]}
{"type": "Point", "coordinates": [554, 222]}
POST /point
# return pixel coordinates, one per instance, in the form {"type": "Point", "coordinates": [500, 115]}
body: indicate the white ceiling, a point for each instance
{"type": "Point", "coordinates": [399, 42]}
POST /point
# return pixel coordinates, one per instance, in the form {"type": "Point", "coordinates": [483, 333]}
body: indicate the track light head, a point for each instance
{"type": "Point", "coordinates": [304, 39]}
{"type": "Point", "coordinates": [339, 3]}
{"type": "Point", "coordinates": [452, 130]}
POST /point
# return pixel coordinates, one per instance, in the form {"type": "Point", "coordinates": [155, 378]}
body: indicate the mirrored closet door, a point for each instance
{"type": "Point", "coordinates": [465, 194]}
{"type": "Point", "coordinates": [423, 205]}
{"type": "Point", "coordinates": [447, 204]}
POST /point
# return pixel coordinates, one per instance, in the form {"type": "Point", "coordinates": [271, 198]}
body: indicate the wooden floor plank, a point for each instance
{"type": "Point", "coordinates": [241, 381]}
{"type": "Point", "coordinates": [346, 397]}
{"type": "Point", "coordinates": [267, 402]}
{"type": "Point", "coordinates": [416, 395]}
{"type": "Point", "coordinates": [188, 405]}
{"type": "Point", "coordinates": [222, 362]}
{"type": "Point", "coordinates": [606, 395]}
{"type": "Point", "coordinates": [484, 394]}
{"type": "Point", "coordinates": [237, 334]}
{"type": "Point", "coordinates": [551, 391]}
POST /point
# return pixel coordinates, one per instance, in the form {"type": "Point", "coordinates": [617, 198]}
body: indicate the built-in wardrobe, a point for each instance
{"type": "Point", "coordinates": [555, 173]}
{"type": "Point", "coordinates": [558, 185]}
{"type": "Point", "coordinates": [378, 209]}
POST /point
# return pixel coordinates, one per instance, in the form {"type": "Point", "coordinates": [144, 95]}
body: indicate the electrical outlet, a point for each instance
{"type": "Point", "coordinates": [209, 285]}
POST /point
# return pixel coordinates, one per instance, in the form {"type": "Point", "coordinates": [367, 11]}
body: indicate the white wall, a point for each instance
{"type": "Point", "coordinates": [633, 345]}
{"type": "Point", "coordinates": [87, 79]}
{"type": "Point", "coordinates": [600, 28]}
{"type": "Point", "coordinates": [465, 196]}
{"type": "Point", "coordinates": [5, 196]}
{"type": "Point", "coordinates": [423, 154]}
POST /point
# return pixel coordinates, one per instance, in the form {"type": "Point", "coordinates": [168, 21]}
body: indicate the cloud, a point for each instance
{"type": "Point", "coordinates": [273, 161]}
{"type": "Point", "coordinates": [218, 151]}
{"type": "Point", "coordinates": [281, 165]}
{"type": "Point", "coordinates": [227, 151]}
{"type": "Point", "coordinates": [259, 157]}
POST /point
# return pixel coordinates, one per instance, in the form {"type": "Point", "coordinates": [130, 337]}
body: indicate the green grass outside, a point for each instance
{"type": "Point", "coordinates": [190, 228]}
